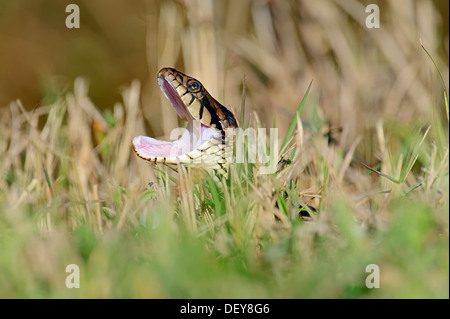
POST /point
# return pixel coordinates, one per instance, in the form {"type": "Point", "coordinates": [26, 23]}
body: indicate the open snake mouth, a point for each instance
{"type": "Point", "coordinates": [183, 93]}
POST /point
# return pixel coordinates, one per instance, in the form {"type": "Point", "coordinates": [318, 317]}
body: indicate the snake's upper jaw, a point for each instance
{"type": "Point", "coordinates": [174, 98]}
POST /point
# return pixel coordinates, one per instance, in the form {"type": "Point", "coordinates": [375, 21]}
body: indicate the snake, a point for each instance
{"type": "Point", "coordinates": [204, 143]}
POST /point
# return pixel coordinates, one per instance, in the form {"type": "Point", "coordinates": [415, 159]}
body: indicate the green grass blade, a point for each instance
{"type": "Point", "coordinates": [410, 189]}
{"type": "Point", "coordinates": [413, 157]}
{"type": "Point", "coordinates": [281, 201]}
{"type": "Point", "coordinates": [294, 121]}
{"type": "Point", "coordinates": [291, 157]}
{"type": "Point", "coordinates": [392, 179]}
{"type": "Point", "coordinates": [440, 77]}
{"type": "Point", "coordinates": [47, 179]}
{"type": "Point", "coordinates": [215, 195]}
{"type": "Point", "coordinates": [446, 103]}
{"type": "Point", "coordinates": [163, 174]}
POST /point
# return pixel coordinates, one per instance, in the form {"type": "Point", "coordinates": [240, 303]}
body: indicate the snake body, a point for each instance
{"type": "Point", "coordinates": [204, 142]}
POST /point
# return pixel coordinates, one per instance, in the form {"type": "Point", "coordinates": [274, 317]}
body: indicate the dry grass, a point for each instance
{"type": "Point", "coordinates": [72, 191]}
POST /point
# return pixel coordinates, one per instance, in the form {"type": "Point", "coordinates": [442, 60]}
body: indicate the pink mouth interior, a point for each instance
{"type": "Point", "coordinates": [173, 97]}
{"type": "Point", "coordinates": [194, 135]}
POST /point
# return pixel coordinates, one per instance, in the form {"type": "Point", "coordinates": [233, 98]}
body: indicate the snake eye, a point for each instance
{"type": "Point", "coordinates": [194, 86]}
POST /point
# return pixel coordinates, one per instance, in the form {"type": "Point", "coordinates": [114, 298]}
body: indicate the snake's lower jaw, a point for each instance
{"type": "Point", "coordinates": [195, 137]}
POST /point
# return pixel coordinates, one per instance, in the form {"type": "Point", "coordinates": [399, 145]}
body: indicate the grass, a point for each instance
{"type": "Point", "coordinates": [73, 192]}
{"type": "Point", "coordinates": [211, 242]}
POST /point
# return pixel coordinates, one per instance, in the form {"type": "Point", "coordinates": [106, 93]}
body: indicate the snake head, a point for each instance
{"type": "Point", "coordinates": [196, 100]}
{"type": "Point", "coordinates": [192, 102]}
